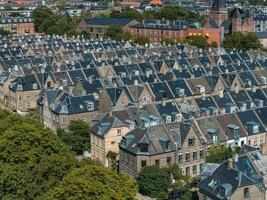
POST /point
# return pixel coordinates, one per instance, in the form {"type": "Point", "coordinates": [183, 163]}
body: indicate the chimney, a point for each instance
{"type": "Point", "coordinates": [263, 148]}
{"type": "Point", "coordinates": [230, 163]}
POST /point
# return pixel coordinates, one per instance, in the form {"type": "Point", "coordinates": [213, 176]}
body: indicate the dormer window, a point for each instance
{"type": "Point", "coordinates": [168, 119]}
{"type": "Point", "coordinates": [165, 143]}
{"type": "Point", "coordinates": [213, 133]}
{"type": "Point", "coordinates": [90, 106]}
{"type": "Point", "coordinates": [34, 86]}
{"type": "Point", "coordinates": [253, 127]}
{"type": "Point", "coordinates": [19, 87]}
{"type": "Point", "coordinates": [64, 108]}
{"type": "Point", "coordinates": [143, 148]}
{"type": "Point", "coordinates": [234, 131]}
{"type": "Point", "coordinates": [201, 88]}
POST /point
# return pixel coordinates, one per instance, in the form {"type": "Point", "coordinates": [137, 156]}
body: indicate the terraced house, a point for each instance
{"type": "Point", "coordinates": [148, 105]}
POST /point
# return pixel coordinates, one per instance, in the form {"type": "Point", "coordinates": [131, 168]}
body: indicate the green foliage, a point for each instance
{"type": "Point", "coordinates": [4, 32]}
{"type": "Point", "coordinates": [169, 12]}
{"type": "Point", "coordinates": [167, 41]}
{"type": "Point", "coordinates": [153, 181]}
{"type": "Point", "coordinates": [77, 136]}
{"type": "Point", "coordinates": [127, 13]}
{"type": "Point", "coordinates": [114, 32]}
{"type": "Point", "coordinates": [36, 164]}
{"type": "Point", "coordinates": [161, 182]}
{"type": "Point", "coordinates": [198, 41]}
{"type": "Point", "coordinates": [213, 44]}
{"type": "Point", "coordinates": [49, 23]}
{"type": "Point", "coordinates": [242, 41]}
{"type": "Point", "coordinates": [85, 34]}
{"type": "Point", "coordinates": [39, 15]}
{"type": "Point", "coordinates": [32, 158]}
{"type": "Point", "coordinates": [219, 154]}
{"type": "Point", "coordinates": [142, 40]}
{"type": "Point", "coordinates": [96, 183]}
{"type": "Point", "coordinates": [127, 35]}
{"type": "Point", "coordinates": [258, 2]}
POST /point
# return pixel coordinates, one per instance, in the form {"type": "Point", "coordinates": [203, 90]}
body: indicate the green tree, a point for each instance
{"type": "Point", "coordinates": [85, 34]}
{"type": "Point", "coordinates": [32, 158]}
{"type": "Point", "coordinates": [127, 13]}
{"type": "Point", "coordinates": [153, 181]}
{"type": "Point", "coordinates": [4, 32]}
{"type": "Point", "coordinates": [77, 136]}
{"type": "Point", "coordinates": [242, 41]}
{"type": "Point", "coordinates": [39, 15]}
{"type": "Point", "coordinates": [96, 183]}
{"type": "Point", "coordinates": [127, 35]}
{"type": "Point", "coordinates": [198, 41]}
{"type": "Point", "coordinates": [167, 41]}
{"type": "Point", "coordinates": [114, 32]}
{"type": "Point", "coordinates": [213, 44]}
{"type": "Point", "coordinates": [142, 40]}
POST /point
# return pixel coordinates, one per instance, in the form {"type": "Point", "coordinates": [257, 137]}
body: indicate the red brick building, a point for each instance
{"type": "Point", "coordinates": [158, 30]}
{"type": "Point", "coordinates": [18, 26]}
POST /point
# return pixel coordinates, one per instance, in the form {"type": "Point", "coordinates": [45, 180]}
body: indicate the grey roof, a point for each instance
{"type": "Point", "coordinates": [107, 21]}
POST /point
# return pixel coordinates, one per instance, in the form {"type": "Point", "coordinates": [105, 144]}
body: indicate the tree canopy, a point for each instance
{"type": "Point", "coordinates": [198, 41]}
{"type": "Point", "coordinates": [35, 162]}
{"type": "Point", "coordinates": [169, 12]}
{"type": "Point", "coordinates": [162, 182]}
{"type": "Point", "coordinates": [4, 32]}
{"type": "Point", "coordinates": [49, 23]}
{"type": "Point", "coordinates": [32, 158]}
{"type": "Point", "coordinates": [96, 183]}
{"type": "Point", "coordinates": [219, 154]}
{"type": "Point", "coordinates": [114, 32]}
{"type": "Point", "coordinates": [242, 41]}
{"type": "Point", "coordinates": [77, 136]}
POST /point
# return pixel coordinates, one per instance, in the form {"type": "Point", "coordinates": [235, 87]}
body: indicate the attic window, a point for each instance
{"type": "Point", "coordinates": [253, 127]}
{"type": "Point", "coordinates": [168, 119]}
{"type": "Point", "coordinates": [201, 88]}
{"type": "Point", "coordinates": [34, 86]}
{"type": "Point", "coordinates": [64, 108]}
{"type": "Point", "coordinates": [90, 106]}
{"type": "Point", "coordinates": [143, 148]}
{"type": "Point", "coordinates": [234, 131]}
{"type": "Point", "coordinates": [19, 87]}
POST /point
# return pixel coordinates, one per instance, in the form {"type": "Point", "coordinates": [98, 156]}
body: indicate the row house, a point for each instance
{"type": "Point", "coordinates": [18, 26]}
{"type": "Point", "coordinates": [57, 108]}
{"type": "Point", "coordinates": [192, 139]}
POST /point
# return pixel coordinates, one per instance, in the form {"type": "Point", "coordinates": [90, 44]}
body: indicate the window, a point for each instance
{"type": "Point", "coordinates": [187, 157]}
{"type": "Point", "coordinates": [118, 131]}
{"type": "Point", "coordinates": [157, 163]}
{"type": "Point", "coordinates": [201, 154]}
{"type": "Point", "coordinates": [194, 155]}
{"type": "Point", "coordinates": [191, 142]}
{"type": "Point", "coordinates": [113, 142]}
{"type": "Point", "coordinates": [180, 158]}
{"type": "Point", "coordinates": [169, 160]}
{"type": "Point", "coordinates": [187, 171]}
{"type": "Point", "coordinates": [64, 120]}
{"type": "Point", "coordinates": [168, 119]}
{"type": "Point", "coordinates": [143, 148]}
{"type": "Point", "coordinates": [143, 163]}
{"type": "Point", "coordinates": [201, 167]}
{"type": "Point", "coordinates": [246, 192]}
{"type": "Point", "coordinates": [194, 169]}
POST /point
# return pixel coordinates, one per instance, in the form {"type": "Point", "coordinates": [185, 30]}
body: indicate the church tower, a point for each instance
{"type": "Point", "coordinates": [218, 11]}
